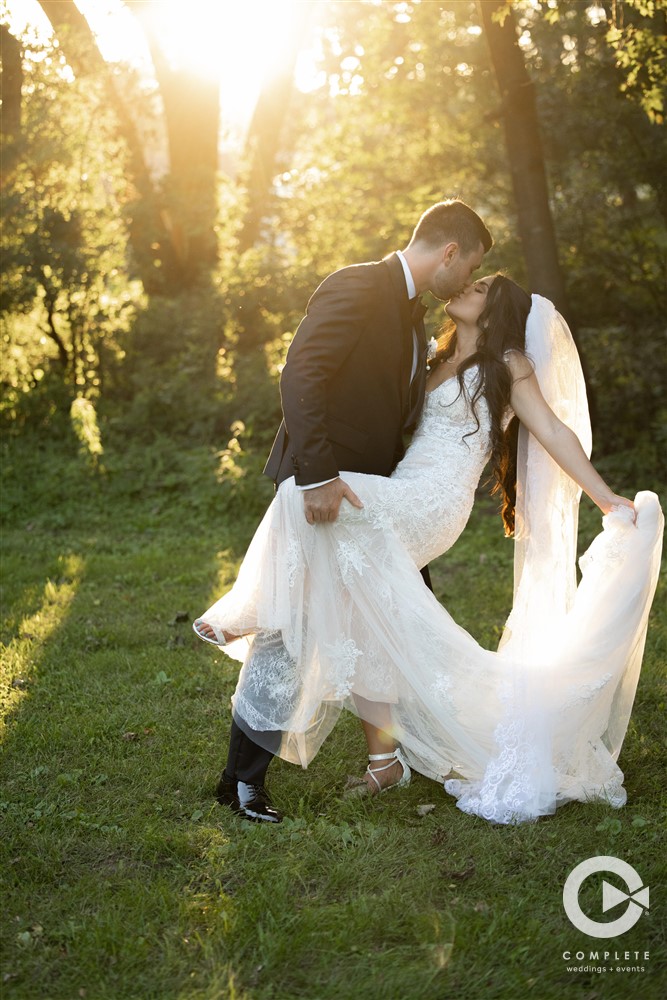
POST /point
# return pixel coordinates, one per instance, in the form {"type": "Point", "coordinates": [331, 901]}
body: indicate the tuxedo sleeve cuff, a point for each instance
{"type": "Point", "coordinates": [312, 486]}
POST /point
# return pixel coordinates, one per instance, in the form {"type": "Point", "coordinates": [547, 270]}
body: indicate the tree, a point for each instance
{"type": "Point", "coordinates": [406, 113]}
{"type": "Point", "coordinates": [189, 196]}
{"type": "Point", "coordinates": [266, 132]}
{"type": "Point", "coordinates": [525, 153]}
{"type": "Point", "coordinates": [172, 226]}
{"type": "Point", "coordinates": [398, 123]}
{"type": "Point", "coordinates": [80, 48]}
{"type": "Point", "coordinates": [64, 242]}
{"type": "Point", "coordinates": [12, 81]}
{"type": "Point", "coordinates": [638, 36]}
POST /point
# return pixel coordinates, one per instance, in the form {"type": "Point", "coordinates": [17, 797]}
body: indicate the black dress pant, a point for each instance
{"type": "Point", "coordinates": [247, 761]}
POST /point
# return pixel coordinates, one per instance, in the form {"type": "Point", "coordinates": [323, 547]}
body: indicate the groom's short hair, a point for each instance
{"type": "Point", "coordinates": [449, 221]}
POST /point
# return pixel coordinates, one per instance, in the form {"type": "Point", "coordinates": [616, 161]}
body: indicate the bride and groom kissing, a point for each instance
{"type": "Point", "coordinates": [332, 607]}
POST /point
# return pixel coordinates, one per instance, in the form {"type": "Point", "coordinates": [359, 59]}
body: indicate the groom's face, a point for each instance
{"type": "Point", "coordinates": [455, 271]}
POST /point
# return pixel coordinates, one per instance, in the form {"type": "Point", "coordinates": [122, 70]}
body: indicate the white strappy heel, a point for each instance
{"type": "Point", "coordinates": [219, 634]}
{"type": "Point", "coordinates": [390, 757]}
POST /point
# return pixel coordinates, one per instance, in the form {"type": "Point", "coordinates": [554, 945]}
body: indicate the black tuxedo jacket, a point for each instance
{"type": "Point", "coordinates": [345, 389]}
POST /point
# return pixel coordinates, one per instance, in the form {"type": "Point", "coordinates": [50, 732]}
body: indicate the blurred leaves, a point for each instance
{"type": "Point", "coordinates": [638, 37]}
{"type": "Point", "coordinates": [66, 284]}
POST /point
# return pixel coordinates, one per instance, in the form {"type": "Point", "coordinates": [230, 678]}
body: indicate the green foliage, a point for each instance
{"type": "Point", "coordinates": [192, 363]}
{"type": "Point", "coordinates": [633, 31]}
{"type": "Point", "coordinates": [407, 113]}
{"type": "Point", "coordinates": [86, 428]}
{"type": "Point", "coordinates": [638, 36]}
{"type": "Point", "coordinates": [606, 162]}
{"type": "Point", "coordinates": [628, 375]}
{"type": "Point", "coordinates": [166, 381]}
{"type": "Point", "coordinates": [64, 239]}
{"type": "Point", "coordinates": [396, 127]}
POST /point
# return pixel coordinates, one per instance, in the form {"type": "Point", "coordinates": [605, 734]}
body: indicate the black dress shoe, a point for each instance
{"type": "Point", "coordinates": [226, 793]}
{"type": "Point", "coordinates": [251, 802]}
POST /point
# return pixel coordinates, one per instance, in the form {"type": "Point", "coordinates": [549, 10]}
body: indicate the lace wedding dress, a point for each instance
{"type": "Point", "coordinates": [341, 619]}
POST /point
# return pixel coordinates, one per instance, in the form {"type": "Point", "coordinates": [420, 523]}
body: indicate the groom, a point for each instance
{"type": "Point", "coordinates": [352, 385]}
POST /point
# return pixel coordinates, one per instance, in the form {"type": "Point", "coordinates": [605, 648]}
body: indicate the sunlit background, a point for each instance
{"type": "Point", "coordinates": [264, 143]}
{"type": "Point", "coordinates": [237, 43]}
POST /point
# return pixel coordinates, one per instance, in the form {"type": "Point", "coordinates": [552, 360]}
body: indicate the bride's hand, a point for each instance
{"type": "Point", "coordinates": [613, 502]}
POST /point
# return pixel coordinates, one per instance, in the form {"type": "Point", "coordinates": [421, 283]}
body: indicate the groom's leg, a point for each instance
{"type": "Point", "coordinates": [247, 761]}
{"type": "Point", "coordinates": [426, 576]}
{"type": "Point", "coordinates": [250, 752]}
{"type": "Point", "coordinates": [241, 786]}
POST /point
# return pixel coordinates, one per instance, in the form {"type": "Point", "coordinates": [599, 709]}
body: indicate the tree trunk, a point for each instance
{"type": "Point", "coordinates": [83, 55]}
{"type": "Point", "coordinates": [192, 112]}
{"type": "Point", "coordinates": [52, 332]}
{"type": "Point", "coordinates": [529, 177]}
{"type": "Point", "coordinates": [266, 133]}
{"type": "Point", "coordinates": [12, 81]}
{"type": "Point", "coordinates": [526, 157]}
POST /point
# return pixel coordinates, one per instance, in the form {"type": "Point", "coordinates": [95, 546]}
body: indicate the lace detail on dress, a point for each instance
{"type": "Point", "coordinates": [432, 490]}
{"type": "Point", "coordinates": [580, 693]}
{"type": "Point", "coordinates": [271, 677]}
{"type": "Point", "coordinates": [271, 667]}
{"type": "Point", "coordinates": [343, 661]}
{"type": "Point", "coordinates": [441, 688]}
{"type": "Point", "coordinates": [378, 675]}
{"type": "Point", "coordinates": [506, 794]}
{"type": "Point", "coordinates": [293, 561]}
{"type": "Point", "coordinates": [350, 560]}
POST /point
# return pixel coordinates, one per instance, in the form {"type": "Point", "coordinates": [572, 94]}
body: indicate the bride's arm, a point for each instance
{"type": "Point", "coordinates": [558, 440]}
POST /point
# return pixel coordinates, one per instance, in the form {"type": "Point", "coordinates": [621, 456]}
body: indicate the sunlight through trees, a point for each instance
{"type": "Point", "coordinates": [203, 170]}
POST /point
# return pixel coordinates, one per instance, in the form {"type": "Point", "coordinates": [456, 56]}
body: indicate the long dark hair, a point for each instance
{"type": "Point", "coordinates": [502, 326]}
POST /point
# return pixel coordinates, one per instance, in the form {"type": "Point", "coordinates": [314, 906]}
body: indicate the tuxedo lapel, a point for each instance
{"type": "Point", "coordinates": [418, 383]}
{"type": "Point", "coordinates": [405, 320]}
{"type": "Point", "coordinates": [419, 310]}
{"type": "Point", "coordinates": [400, 290]}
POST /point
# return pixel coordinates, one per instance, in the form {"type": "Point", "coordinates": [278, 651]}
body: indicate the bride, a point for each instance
{"type": "Point", "coordinates": [342, 618]}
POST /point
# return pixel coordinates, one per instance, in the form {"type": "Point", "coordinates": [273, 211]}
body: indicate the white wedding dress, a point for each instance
{"type": "Point", "coordinates": [342, 618]}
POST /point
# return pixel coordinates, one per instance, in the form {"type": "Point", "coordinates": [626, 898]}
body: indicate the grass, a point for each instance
{"type": "Point", "coordinates": [123, 879]}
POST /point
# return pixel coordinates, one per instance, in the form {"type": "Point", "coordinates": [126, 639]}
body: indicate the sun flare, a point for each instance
{"type": "Point", "coordinates": [235, 42]}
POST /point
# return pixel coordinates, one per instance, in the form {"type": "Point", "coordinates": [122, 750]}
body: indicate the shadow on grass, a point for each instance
{"type": "Point", "coordinates": [111, 701]}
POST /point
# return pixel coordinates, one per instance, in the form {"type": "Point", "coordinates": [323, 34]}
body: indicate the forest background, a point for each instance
{"type": "Point", "coordinates": [156, 262]}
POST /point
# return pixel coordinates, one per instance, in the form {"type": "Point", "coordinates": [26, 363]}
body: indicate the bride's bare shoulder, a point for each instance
{"type": "Point", "coordinates": [520, 366]}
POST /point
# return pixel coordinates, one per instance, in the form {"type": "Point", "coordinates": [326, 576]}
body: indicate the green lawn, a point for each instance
{"type": "Point", "coordinates": [124, 879]}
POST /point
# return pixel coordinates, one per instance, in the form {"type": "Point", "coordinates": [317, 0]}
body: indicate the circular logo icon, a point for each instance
{"type": "Point", "coordinates": [636, 897]}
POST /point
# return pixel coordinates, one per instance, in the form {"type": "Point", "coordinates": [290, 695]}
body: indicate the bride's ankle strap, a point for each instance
{"type": "Point", "coordinates": [382, 756]}
{"type": "Point", "coordinates": [392, 759]}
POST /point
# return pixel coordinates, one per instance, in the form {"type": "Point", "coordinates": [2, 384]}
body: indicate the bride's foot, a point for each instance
{"type": "Point", "coordinates": [384, 771]}
{"type": "Point", "coordinates": [209, 633]}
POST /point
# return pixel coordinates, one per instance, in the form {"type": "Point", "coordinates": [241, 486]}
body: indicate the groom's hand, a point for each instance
{"type": "Point", "coordinates": [322, 503]}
